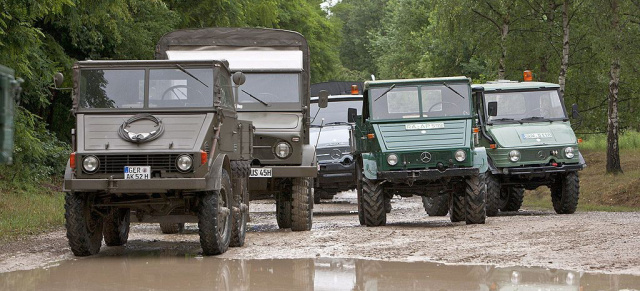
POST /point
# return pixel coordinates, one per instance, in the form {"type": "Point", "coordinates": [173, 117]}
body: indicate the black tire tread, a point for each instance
{"type": "Point", "coordinates": [239, 216]}
{"type": "Point", "coordinates": [210, 240]}
{"type": "Point", "coordinates": [565, 192]}
{"type": "Point", "coordinates": [82, 242]}
{"type": "Point", "coordinates": [436, 205]}
{"type": "Point", "coordinates": [115, 231]}
{"type": "Point", "coordinates": [475, 199]}
{"type": "Point", "coordinates": [493, 195]}
{"type": "Point", "coordinates": [373, 203]}
{"type": "Point", "coordinates": [301, 205]}
{"type": "Point", "coordinates": [171, 228]}
{"type": "Point", "coordinates": [515, 197]}
{"type": "Point", "coordinates": [457, 209]}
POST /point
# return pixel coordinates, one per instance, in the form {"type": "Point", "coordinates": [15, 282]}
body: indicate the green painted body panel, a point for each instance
{"type": "Point", "coordinates": [369, 166]}
{"type": "Point", "coordinates": [520, 135]}
{"type": "Point", "coordinates": [480, 160]}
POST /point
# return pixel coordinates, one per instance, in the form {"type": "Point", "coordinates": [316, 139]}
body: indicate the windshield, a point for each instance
{"type": "Point", "coordinates": [125, 88]}
{"type": "Point", "coordinates": [532, 105]}
{"type": "Point", "coordinates": [420, 101]}
{"type": "Point", "coordinates": [330, 136]}
{"type": "Point", "coordinates": [270, 88]}
{"type": "Point", "coordinates": [336, 111]}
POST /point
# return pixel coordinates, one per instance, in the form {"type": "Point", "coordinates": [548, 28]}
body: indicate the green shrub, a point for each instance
{"type": "Point", "coordinates": [627, 141]}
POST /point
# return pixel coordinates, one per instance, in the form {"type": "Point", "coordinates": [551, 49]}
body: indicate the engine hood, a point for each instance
{"type": "Point", "coordinates": [272, 120]}
{"type": "Point", "coordinates": [422, 135]}
{"type": "Point", "coordinates": [533, 134]}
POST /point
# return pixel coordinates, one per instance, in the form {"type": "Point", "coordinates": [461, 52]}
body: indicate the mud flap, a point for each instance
{"type": "Point", "coordinates": [369, 166]}
{"type": "Point", "coordinates": [480, 159]}
{"type": "Point", "coordinates": [214, 179]}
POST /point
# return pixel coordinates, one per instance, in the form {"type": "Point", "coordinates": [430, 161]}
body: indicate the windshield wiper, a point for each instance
{"type": "Point", "coordinates": [454, 90]}
{"type": "Point", "coordinates": [190, 75]}
{"type": "Point", "coordinates": [534, 118]}
{"type": "Point", "coordinates": [385, 92]}
{"type": "Point", "coordinates": [337, 123]}
{"type": "Point", "coordinates": [254, 97]}
{"type": "Point", "coordinates": [502, 119]}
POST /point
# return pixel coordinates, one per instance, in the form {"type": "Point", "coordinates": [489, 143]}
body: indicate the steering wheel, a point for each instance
{"type": "Point", "coordinates": [174, 88]}
{"type": "Point", "coordinates": [443, 103]}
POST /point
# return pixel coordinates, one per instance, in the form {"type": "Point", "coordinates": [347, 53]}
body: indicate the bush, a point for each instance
{"type": "Point", "coordinates": [627, 140]}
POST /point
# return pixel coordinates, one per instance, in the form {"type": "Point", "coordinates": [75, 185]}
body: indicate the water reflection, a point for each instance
{"type": "Point", "coordinates": [197, 273]}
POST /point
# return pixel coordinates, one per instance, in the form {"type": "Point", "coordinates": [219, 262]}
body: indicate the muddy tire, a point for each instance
{"type": "Point", "coordinates": [171, 228]}
{"type": "Point", "coordinates": [457, 208]}
{"type": "Point", "coordinates": [301, 205]}
{"type": "Point", "coordinates": [116, 227]}
{"type": "Point", "coordinates": [475, 199]}
{"type": "Point", "coordinates": [514, 197]}
{"type": "Point", "coordinates": [565, 192]}
{"type": "Point", "coordinates": [214, 218]}
{"type": "Point", "coordinates": [240, 202]}
{"type": "Point", "coordinates": [373, 203]}
{"type": "Point", "coordinates": [437, 205]}
{"type": "Point", "coordinates": [283, 211]}
{"type": "Point", "coordinates": [493, 194]}
{"type": "Point", "coordinates": [84, 226]}
{"type": "Point", "coordinates": [359, 176]}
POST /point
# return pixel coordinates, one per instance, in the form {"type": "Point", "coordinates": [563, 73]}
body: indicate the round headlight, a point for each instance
{"type": "Point", "coordinates": [514, 156]}
{"type": "Point", "coordinates": [90, 164]}
{"type": "Point", "coordinates": [568, 152]}
{"type": "Point", "coordinates": [392, 159]}
{"type": "Point", "coordinates": [282, 150]}
{"type": "Point", "coordinates": [184, 163]}
{"type": "Point", "coordinates": [460, 155]}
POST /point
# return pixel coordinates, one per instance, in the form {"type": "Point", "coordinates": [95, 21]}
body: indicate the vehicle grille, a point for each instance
{"type": "Point", "coordinates": [334, 153]}
{"type": "Point", "coordinates": [116, 163]}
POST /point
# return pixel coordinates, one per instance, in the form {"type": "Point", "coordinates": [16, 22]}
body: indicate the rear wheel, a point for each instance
{"type": "Point", "coordinates": [214, 218]}
{"type": "Point", "coordinates": [493, 194]}
{"type": "Point", "coordinates": [514, 197]}
{"type": "Point", "coordinates": [116, 227]}
{"type": "Point", "coordinates": [301, 205]}
{"type": "Point", "coordinates": [475, 199]}
{"type": "Point", "coordinates": [283, 210]}
{"type": "Point", "coordinates": [457, 209]}
{"type": "Point", "coordinates": [373, 203]}
{"type": "Point", "coordinates": [564, 193]}
{"type": "Point", "coordinates": [171, 228]}
{"type": "Point", "coordinates": [437, 205]}
{"type": "Point", "coordinates": [240, 212]}
{"type": "Point", "coordinates": [84, 225]}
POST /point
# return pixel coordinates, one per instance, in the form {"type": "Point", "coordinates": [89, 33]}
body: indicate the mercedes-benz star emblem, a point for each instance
{"type": "Point", "coordinates": [541, 155]}
{"type": "Point", "coordinates": [425, 157]}
{"type": "Point", "coordinates": [336, 154]}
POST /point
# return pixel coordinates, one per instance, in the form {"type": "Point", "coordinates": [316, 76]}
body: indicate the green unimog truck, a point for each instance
{"type": "Point", "coordinates": [275, 98]}
{"type": "Point", "coordinates": [9, 93]}
{"type": "Point", "coordinates": [530, 143]}
{"type": "Point", "coordinates": [416, 137]}
{"type": "Point", "coordinates": [156, 141]}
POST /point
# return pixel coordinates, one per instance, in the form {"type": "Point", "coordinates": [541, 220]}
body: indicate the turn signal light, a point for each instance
{"type": "Point", "coordinates": [492, 146]}
{"type": "Point", "coordinates": [72, 161]}
{"type": "Point", "coordinates": [371, 136]}
{"type": "Point", "coordinates": [476, 130]}
{"type": "Point", "coordinates": [354, 90]}
{"type": "Point", "coordinates": [203, 157]}
{"type": "Point", "coordinates": [528, 76]}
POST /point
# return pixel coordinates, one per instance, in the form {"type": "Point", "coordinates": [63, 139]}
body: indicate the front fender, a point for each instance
{"type": "Point", "coordinates": [480, 159]}
{"type": "Point", "coordinates": [214, 178]}
{"type": "Point", "coordinates": [369, 166]}
{"type": "Point", "coordinates": [309, 155]}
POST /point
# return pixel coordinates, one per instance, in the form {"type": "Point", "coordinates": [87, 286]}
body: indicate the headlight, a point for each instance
{"type": "Point", "coordinates": [184, 163]}
{"type": "Point", "coordinates": [392, 159]}
{"type": "Point", "coordinates": [90, 164]}
{"type": "Point", "coordinates": [514, 156]}
{"type": "Point", "coordinates": [460, 155]}
{"type": "Point", "coordinates": [282, 150]}
{"type": "Point", "coordinates": [568, 152]}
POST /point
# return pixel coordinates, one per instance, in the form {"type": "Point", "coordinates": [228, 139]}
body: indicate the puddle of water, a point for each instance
{"type": "Point", "coordinates": [155, 271]}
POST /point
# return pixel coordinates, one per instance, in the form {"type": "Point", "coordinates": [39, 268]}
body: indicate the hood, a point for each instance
{"type": "Point", "coordinates": [331, 136]}
{"type": "Point", "coordinates": [184, 132]}
{"type": "Point", "coordinates": [272, 120]}
{"type": "Point", "coordinates": [421, 135]}
{"type": "Point", "coordinates": [533, 134]}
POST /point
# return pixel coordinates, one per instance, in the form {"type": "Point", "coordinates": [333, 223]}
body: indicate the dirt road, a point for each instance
{"type": "Point", "coordinates": [585, 241]}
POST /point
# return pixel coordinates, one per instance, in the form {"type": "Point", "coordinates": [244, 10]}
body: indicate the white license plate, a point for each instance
{"type": "Point", "coordinates": [261, 173]}
{"type": "Point", "coordinates": [137, 172]}
{"type": "Point", "coordinates": [414, 126]}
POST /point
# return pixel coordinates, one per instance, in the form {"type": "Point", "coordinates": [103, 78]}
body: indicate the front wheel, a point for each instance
{"type": "Point", "coordinates": [437, 205]}
{"type": "Point", "coordinates": [83, 223]}
{"type": "Point", "coordinates": [283, 210]}
{"type": "Point", "coordinates": [171, 228]}
{"type": "Point", "coordinates": [301, 205]}
{"type": "Point", "coordinates": [493, 194]}
{"type": "Point", "coordinates": [457, 206]}
{"type": "Point", "coordinates": [565, 192]}
{"type": "Point", "coordinates": [240, 212]}
{"type": "Point", "coordinates": [514, 197]}
{"type": "Point", "coordinates": [214, 218]}
{"type": "Point", "coordinates": [359, 176]}
{"type": "Point", "coordinates": [475, 199]}
{"type": "Point", "coordinates": [373, 203]}
{"type": "Point", "coordinates": [116, 227]}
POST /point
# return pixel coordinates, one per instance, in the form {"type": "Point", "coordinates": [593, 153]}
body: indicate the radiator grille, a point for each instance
{"type": "Point", "coordinates": [116, 163]}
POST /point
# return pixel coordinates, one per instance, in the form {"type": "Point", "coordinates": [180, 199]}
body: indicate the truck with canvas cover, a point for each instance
{"type": "Point", "coordinates": [418, 137]}
{"type": "Point", "coordinates": [9, 93]}
{"type": "Point", "coordinates": [275, 98]}
{"type": "Point", "coordinates": [530, 144]}
{"type": "Point", "coordinates": [161, 142]}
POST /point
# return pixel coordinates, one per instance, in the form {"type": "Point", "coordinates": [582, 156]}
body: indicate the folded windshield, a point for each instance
{"type": "Point", "coordinates": [125, 88]}
{"type": "Point", "coordinates": [437, 100]}
{"type": "Point", "coordinates": [532, 106]}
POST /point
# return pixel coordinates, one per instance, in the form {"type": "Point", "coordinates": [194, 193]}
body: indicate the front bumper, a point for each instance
{"type": "Point", "coordinates": [331, 174]}
{"type": "Point", "coordinates": [426, 175]}
{"type": "Point", "coordinates": [532, 170]}
{"type": "Point", "coordinates": [135, 186]}
{"type": "Point", "coordinates": [290, 171]}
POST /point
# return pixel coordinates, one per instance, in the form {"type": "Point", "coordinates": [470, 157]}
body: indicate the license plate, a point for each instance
{"type": "Point", "coordinates": [137, 172]}
{"type": "Point", "coordinates": [414, 126]}
{"type": "Point", "coordinates": [261, 173]}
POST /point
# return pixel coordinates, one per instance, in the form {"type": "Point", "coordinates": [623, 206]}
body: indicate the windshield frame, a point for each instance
{"type": "Point", "coordinates": [419, 87]}
{"type": "Point", "coordinates": [219, 69]}
{"type": "Point", "coordinates": [489, 122]}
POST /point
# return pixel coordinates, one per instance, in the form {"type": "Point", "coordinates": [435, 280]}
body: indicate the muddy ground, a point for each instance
{"type": "Point", "coordinates": [585, 241]}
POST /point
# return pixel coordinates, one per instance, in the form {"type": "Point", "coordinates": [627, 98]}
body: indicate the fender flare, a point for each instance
{"type": "Point", "coordinates": [369, 166]}
{"type": "Point", "coordinates": [582, 161]}
{"type": "Point", "coordinates": [480, 159]}
{"type": "Point", "coordinates": [214, 179]}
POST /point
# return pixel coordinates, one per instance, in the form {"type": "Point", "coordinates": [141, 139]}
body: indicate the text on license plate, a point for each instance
{"type": "Point", "coordinates": [261, 172]}
{"type": "Point", "coordinates": [137, 172]}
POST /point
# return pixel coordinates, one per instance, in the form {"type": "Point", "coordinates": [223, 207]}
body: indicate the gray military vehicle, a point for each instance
{"type": "Point", "coordinates": [156, 141]}
{"type": "Point", "coordinates": [275, 97]}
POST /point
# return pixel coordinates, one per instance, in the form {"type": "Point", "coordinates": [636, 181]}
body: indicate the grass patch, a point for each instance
{"type": "Point", "coordinates": [600, 191]}
{"type": "Point", "coordinates": [29, 209]}
{"type": "Point", "coordinates": [629, 140]}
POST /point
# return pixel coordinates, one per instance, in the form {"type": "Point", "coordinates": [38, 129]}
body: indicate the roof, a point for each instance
{"type": "Point", "coordinates": [368, 84]}
{"type": "Point", "coordinates": [335, 87]}
{"type": "Point", "coordinates": [509, 85]}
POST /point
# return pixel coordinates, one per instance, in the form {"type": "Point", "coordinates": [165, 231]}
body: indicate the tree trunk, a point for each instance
{"type": "Point", "coordinates": [613, 150]}
{"type": "Point", "coordinates": [503, 46]}
{"type": "Point", "coordinates": [564, 66]}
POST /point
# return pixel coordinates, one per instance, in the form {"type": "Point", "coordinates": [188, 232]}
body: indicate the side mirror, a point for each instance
{"type": "Point", "coordinates": [323, 98]}
{"type": "Point", "coordinates": [574, 111]}
{"type": "Point", "coordinates": [239, 78]}
{"type": "Point", "coordinates": [58, 79]}
{"type": "Point", "coordinates": [351, 115]}
{"type": "Point", "coordinates": [492, 108]}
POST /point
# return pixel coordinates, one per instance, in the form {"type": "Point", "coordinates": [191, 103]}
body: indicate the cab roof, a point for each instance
{"type": "Point", "coordinates": [505, 85]}
{"type": "Point", "coordinates": [369, 84]}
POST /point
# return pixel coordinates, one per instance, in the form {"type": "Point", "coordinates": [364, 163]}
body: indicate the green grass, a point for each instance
{"type": "Point", "coordinates": [29, 209]}
{"type": "Point", "coordinates": [627, 141]}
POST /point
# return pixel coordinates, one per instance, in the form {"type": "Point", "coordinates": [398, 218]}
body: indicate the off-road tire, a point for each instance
{"type": "Point", "coordinates": [359, 176]}
{"type": "Point", "coordinates": [373, 203]}
{"type": "Point", "coordinates": [214, 218]}
{"type": "Point", "coordinates": [240, 169]}
{"type": "Point", "coordinates": [240, 214]}
{"type": "Point", "coordinates": [457, 209]}
{"type": "Point", "coordinates": [493, 194]}
{"type": "Point", "coordinates": [565, 192]}
{"type": "Point", "coordinates": [514, 197]}
{"type": "Point", "coordinates": [116, 227]}
{"type": "Point", "coordinates": [301, 205]}
{"type": "Point", "coordinates": [171, 228]}
{"type": "Point", "coordinates": [84, 226]}
{"type": "Point", "coordinates": [387, 205]}
{"type": "Point", "coordinates": [283, 210]}
{"type": "Point", "coordinates": [475, 199]}
{"type": "Point", "coordinates": [317, 195]}
{"type": "Point", "coordinates": [437, 205]}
